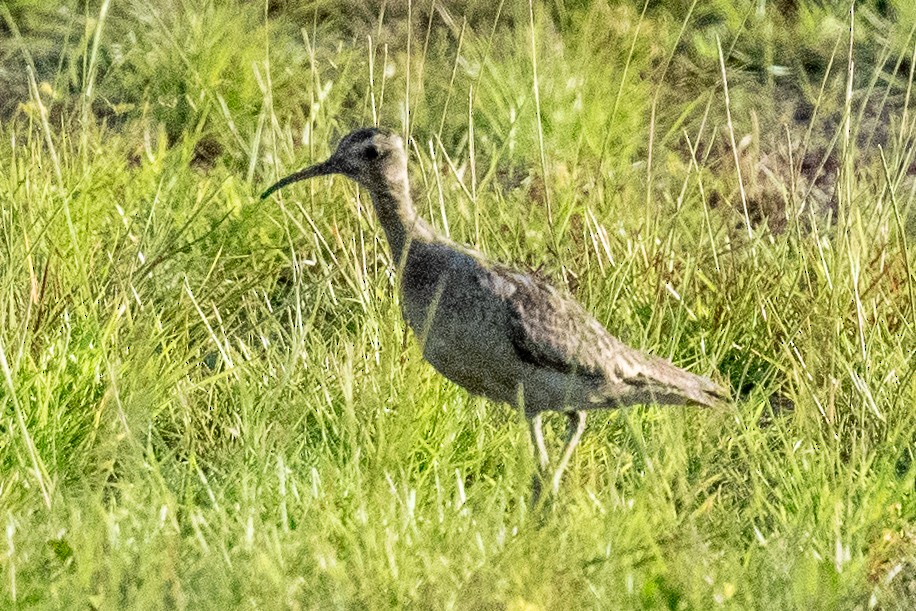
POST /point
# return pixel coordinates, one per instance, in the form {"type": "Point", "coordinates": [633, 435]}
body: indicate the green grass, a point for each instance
{"type": "Point", "coordinates": [209, 401]}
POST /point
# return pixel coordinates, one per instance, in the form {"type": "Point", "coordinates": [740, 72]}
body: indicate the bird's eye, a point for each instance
{"type": "Point", "coordinates": [371, 152]}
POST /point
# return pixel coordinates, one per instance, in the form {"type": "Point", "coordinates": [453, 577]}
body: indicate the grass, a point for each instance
{"type": "Point", "coordinates": [211, 401]}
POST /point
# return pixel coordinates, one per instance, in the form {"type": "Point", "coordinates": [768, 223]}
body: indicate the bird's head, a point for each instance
{"type": "Point", "coordinates": [373, 157]}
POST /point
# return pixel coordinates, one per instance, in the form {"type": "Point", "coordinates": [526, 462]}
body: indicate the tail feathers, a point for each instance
{"type": "Point", "coordinates": [661, 383]}
{"type": "Point", "coordinates": [706, 393]}
{"type": "Point", "coordinates": [683, 387]}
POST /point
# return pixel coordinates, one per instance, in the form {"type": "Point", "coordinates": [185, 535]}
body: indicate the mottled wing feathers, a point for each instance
{"type": "Point", "coordinates": [551, 330]}
{"type": "Point", "coordinates": [547, 329]}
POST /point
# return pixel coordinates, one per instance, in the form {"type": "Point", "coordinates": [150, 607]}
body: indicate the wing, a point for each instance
{"type": "Point", "coordinates": [550, 330]}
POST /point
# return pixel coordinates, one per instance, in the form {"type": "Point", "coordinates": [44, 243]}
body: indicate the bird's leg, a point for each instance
{"type": "Point", "coordinates": [537, 439]}
{"type": "Point", "coordinates": [575, 427]}
{"type": "Point", "coordinates": [537, 435]}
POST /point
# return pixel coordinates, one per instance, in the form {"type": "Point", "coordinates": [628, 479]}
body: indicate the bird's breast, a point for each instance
{"type": "Point", "coordinates": [460, 325]}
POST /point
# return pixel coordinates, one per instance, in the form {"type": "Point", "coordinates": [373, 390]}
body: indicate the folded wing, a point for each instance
{"type": "Point", "coordinates": [550, 330]}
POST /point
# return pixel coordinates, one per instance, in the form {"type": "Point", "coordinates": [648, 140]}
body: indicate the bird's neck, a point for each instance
{"type": "Point", "coordinates": [399, 218]}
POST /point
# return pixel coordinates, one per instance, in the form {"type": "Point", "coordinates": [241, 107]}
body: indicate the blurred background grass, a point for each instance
{"type": "Point", "coordinates": [211, 401]}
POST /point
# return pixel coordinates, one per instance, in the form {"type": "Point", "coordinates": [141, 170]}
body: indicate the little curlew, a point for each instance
{"type": "Point", "coordinates": [498, 332]}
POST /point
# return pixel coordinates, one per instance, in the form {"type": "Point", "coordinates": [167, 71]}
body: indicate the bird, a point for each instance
{"type": "Point", "coordinates": [500, 333]}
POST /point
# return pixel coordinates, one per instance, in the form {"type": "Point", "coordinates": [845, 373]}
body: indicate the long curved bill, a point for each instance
{"type": "Point", "coordinates": [319, 169]}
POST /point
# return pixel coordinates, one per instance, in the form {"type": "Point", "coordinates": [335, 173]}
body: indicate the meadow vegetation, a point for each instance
{"type": "Point", "coordinates": [210, 401]}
